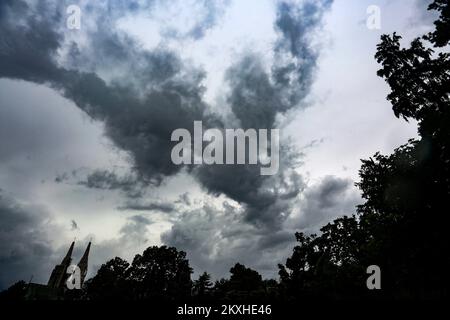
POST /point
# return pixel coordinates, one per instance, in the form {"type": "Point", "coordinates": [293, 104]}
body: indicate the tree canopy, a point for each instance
{"type": "Point", "coordinates": [160, 272]}
{"type": "Point", "coordinates": [402, 226]}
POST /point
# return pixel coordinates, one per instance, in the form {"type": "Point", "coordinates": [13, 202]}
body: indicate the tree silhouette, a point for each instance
{"type": "Point", "coordinates": [244, 284]}
{"type": "Point", "coordinates": [441, 36]}
{"type": "Point", "coordinates": [110, 282]}
{"type": "Point", "coordinates": [14, 293]}
{"type": "Point", "coordinates": [245, 279]}
{"type": "Point", "coordinates": [402, 226]}
{"type": "Point", "coordinates": [159, 273]}
{"type": "Point", "coordinates": [202, 286]}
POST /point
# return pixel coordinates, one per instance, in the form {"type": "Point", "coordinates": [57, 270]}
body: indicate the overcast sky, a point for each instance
{"type": "Point", "coordinates": [86, 116]}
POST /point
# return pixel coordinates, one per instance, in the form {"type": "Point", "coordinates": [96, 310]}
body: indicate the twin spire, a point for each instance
{"type": "Point", "coordinates": [59, 274]}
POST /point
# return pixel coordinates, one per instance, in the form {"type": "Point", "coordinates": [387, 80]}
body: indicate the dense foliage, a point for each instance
{"type": "Point", "coordinates": [402, 226]}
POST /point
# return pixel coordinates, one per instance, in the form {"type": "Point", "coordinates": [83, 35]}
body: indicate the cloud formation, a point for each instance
{"type": "Point", "coordinates": [257, 97]}
{"type": "Point", "coordinates": [166, 207]}
{"type": "Point", "coordinates": [322, 202]}
{"type": "Point", "coordinates": [26, 234]}
{"type": "Point", "coordinates": [140, 96]}
{"type": "Point", "coordinates": [160, 94]}
{"type": "Point", "coordinates": [216, 238]}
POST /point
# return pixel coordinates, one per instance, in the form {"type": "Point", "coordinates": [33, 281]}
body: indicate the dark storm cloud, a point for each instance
{"type": "Point", "coordinates": [140, 126]}
{"type": "Point", "coordinates": [106, 48]}
{"type": "Point", "coordinates": [135, 227]}
{"type": "Point", "coordinates": [130, 185]}
{"type": "Point", "coordinates": [154, 93]}
{"type": "Point", "coordinates": [330, 198]}
{"type": "Point", "coordinates": [280, 238]}
{"type": "Point", "coordinates": [296, 56]}
{"type": "Point", "coordinates": [165, 207]}
{"type": "Point", "coordinates": [26, 50]}
{"type": "Point", "coordinates": [215, 239]}
{"type": "Point", "coordinates": [267, 200]}
{"type": "Point", "coordinates": [257, 97]}
{"type": "Point", "coordinates": [25, 233]}
{"type": "Point", "coordinates": [140, 112]}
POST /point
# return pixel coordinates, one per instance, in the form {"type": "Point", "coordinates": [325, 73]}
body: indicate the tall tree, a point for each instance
{"type": "Point", "coordinates": [203, 285]}
{"type": "Point", "coordinates": [160, 272]}
{"type": "Point", "coordinates": [110, 282]}
{"type": "Point", "coordinates": [403, 224]}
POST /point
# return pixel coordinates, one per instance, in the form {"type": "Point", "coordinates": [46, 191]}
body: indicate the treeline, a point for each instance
{"type": "Point", "coordinates": [402, 227]}
{"type": "Point", "coordinates": [162, 273]}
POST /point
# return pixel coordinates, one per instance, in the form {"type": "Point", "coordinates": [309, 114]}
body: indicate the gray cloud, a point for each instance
{"type": "Point", "coordinates": [267, 201]}
{"type": "Point", "coordinates": [330, 198]}
{"type": "Point", "coordinates": [135, 227]}
{"type": "Point", "coordinates": [215, 239]}
{"type": "Point", "coordinates": [165, 207]}
{"type": "Point", "coordinates": [131, 185]}
{"type": "Point", "coordinates": [257, 97]}
{"type": "Point", "coordinates": [154, 93]}
{"type": "Point", "coordinates": [141, 126]}
{"type": "Point", "coordinates": [184, 199]}
{"type": "Point", "coordinates": [26, 232]}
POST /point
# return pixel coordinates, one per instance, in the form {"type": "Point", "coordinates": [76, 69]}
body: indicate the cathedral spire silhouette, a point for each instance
{"type": "Point", "coordinates": [83, 264]}
{"type": "Point", "coordinates": [59, 276]}
{"type": "Point", "coordinates": [68, 258]}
